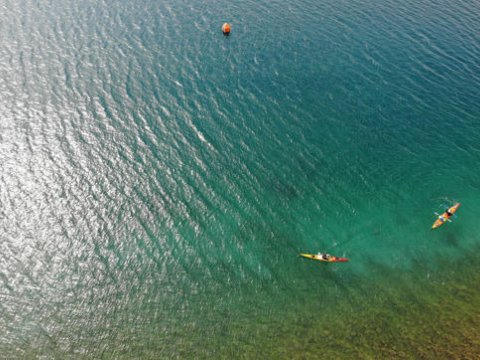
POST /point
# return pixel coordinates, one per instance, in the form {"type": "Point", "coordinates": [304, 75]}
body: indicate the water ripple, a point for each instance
{"type": "Point", "coordinates": [155, 174]}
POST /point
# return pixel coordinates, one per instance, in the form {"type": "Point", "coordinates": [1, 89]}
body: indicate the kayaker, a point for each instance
{"type": "Point", "coordinates": [325, 256]}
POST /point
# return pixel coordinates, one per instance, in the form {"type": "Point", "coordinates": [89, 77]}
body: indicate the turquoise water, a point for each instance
{"type": "Point", "coordinates": [159, 179]}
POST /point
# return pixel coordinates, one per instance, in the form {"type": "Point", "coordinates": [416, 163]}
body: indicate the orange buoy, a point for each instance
{"type": "Point", "coordinates": [226, 29]}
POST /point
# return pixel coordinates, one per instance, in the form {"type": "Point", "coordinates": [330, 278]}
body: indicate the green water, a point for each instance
{"type": "Point", "coordinates": [158, 179]}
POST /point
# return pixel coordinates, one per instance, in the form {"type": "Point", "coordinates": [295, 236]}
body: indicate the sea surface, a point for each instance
{"type": "Point", "coordinates": [158, 179]}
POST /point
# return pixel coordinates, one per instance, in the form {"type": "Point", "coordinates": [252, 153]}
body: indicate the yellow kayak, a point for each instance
{"type": "Point", "coordinates": [445, 216]}
{"type": "Point", "coordinates": [319, 257]}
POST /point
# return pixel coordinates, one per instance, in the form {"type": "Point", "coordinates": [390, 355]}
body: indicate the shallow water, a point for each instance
{"type": "Point", "coordinates": [158, 179]}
